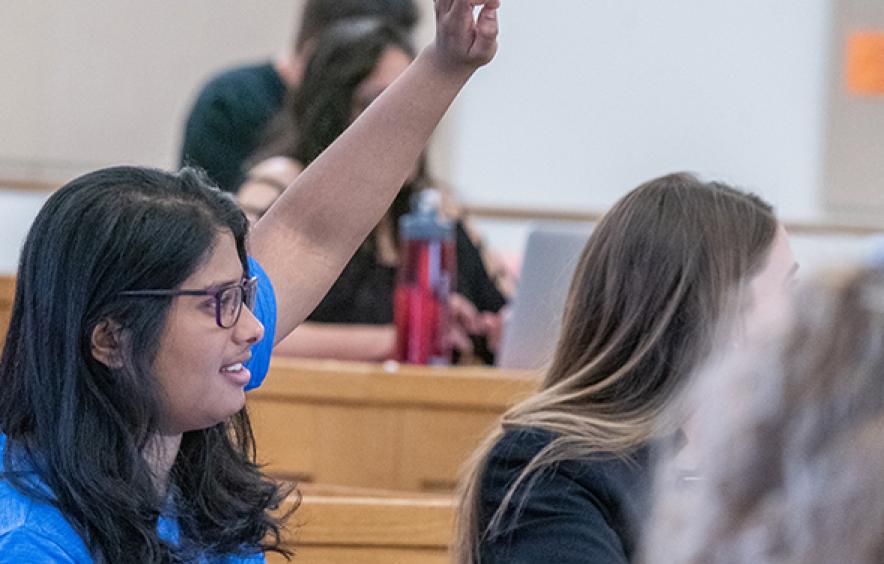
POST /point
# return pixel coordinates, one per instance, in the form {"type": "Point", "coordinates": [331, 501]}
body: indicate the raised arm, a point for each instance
{"type": "Point", "coordinates": [309, 234]}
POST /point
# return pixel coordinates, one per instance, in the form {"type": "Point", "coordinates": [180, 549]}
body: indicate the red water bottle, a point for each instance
{"type": "Point", "coordinates": [424, 281]}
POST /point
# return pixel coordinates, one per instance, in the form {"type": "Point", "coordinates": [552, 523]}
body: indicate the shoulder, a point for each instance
{"type": "Point", "coordinates": [31, 531]}
{"type": "Point", "coordinates": [594, 504]}
{"type": "Point", "coordinates": [510, 456]}
{"type": "Point", "coordinates": [246, 89]}
{"type": "Point", "coordinates": [241, 77]}
{"type": "Point", "coordinates": [28, 545]}
{"type": "Point", "coordinates": [521, 444]}
{"type": "Point", "coordinates": [517, 447]}
{"type": "Point", "coordinates": [515, 450]}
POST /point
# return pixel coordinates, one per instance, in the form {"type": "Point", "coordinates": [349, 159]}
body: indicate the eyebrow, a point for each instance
{"type": "Point", "coordinates": [229, 282]}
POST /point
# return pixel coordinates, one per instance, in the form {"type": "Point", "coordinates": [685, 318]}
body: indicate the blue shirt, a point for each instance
{"type": "Point", "coordinates": [37, 533]}
{"type": "Point", "coordinates": [265, 311]}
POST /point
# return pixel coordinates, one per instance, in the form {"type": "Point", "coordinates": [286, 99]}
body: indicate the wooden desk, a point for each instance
{"type": "Point", "coordinates": [370, 530]}
{"type": "Point", "coordinates": [7, 296]}
{"type": "Point", "coordinates": [388, 427]}
{"type": "Point", "coordinates": [402, 428]}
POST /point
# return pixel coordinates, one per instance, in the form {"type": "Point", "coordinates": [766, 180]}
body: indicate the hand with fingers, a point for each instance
{"type": "Point", "coordinates": [472, 334]}
{"type": "Point", "coordinates": [463, 322]}
{"type": "Point", "coordinates": [463, 39]}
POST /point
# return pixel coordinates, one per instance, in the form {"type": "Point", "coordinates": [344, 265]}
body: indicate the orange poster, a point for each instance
{"type": "Point", "coordinates": [865, 63]}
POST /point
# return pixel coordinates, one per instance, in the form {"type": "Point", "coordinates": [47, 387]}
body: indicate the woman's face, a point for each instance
{"type": "Point", "coordinates": [197, 362]}
{"type": "Point", "coordinates": [390, 65]}
{"type": "Point", "coordinates": [769, 289]}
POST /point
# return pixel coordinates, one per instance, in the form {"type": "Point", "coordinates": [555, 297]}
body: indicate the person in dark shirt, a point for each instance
{"type": "Point", "coordinates": [565, 477]}
{"type": "Point", "coordinates": [231, 112]}
{"type": "Point", "coordinates": [353, 63]}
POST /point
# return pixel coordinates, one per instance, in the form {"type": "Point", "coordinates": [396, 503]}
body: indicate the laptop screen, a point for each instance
{"type": "Point", "coordinates": [532, 330]}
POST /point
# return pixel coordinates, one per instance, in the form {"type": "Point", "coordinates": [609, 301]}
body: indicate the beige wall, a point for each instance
{"type": "Point", "coordinates": [98, 82]}
{"type": "Point", "coordinates": [573, 112]}
{"type": "Point", "coordinates": [854, 164]}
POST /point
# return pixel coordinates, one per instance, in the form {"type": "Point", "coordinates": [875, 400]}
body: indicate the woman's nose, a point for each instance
{"type": "Point", "coordinates": [248, 329]}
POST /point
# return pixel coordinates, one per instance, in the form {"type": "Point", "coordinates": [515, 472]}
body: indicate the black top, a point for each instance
{"type": "Point", "coordinates": [228, 121]}
{"type": "Point", "coordinates": [364, 291]}
{"type": "Point", "coordinates": [577, 511]}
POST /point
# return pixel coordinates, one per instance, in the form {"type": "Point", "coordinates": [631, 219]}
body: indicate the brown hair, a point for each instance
{"type": "Point", "coordinates": [789, 441]}
{"type": "Point", "coordinates": [652, 281]}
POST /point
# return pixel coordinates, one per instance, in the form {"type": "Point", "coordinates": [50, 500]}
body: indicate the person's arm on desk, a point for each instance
{"type": "Point", "coordinates": [339, 341]}
{"type": "Point", "coordinates": [377, 343]}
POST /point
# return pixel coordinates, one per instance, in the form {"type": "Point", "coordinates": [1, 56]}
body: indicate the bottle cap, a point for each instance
{"type": "Point", "coordinates": [425, 220]}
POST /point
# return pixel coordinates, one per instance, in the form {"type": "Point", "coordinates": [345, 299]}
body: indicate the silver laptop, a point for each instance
{"type": "Point", "coordinates": [548, 264]}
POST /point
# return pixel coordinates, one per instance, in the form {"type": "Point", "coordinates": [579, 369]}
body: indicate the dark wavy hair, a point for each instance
{"type": "Point", "coordinates": [85, 426]}
{"type": "Point", "coordinates": [321, 109]}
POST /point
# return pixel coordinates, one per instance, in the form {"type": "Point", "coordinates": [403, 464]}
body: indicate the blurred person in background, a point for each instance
{"type": "Point", "coordinates": [231, 112]}
{"type": "Point", "coordinates": [353, 62]}
{"type": "Point", "coordinates": [785, 445]}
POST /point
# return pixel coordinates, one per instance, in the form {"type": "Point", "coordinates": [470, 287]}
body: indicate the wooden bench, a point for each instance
{"type": "Point", "coordinates": [335, 529]}
{"type": "Point", "coordinates": [405, 428]}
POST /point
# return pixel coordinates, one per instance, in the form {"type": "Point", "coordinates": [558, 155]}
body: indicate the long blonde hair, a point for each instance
{"type": "Point", "coordinates": [652, 281]}
{"type": "Point", "coordinates": [788, 441]}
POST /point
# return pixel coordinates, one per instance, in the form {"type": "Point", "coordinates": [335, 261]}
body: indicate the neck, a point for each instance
{"type": "Point", "coordinates": [160, 455]}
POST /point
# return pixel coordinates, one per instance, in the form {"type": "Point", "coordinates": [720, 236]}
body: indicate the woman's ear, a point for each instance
{"type": "Point", "coordinates": [107, 343]}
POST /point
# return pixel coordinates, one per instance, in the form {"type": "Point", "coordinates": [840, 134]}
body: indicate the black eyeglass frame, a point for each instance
{"type": "Point", "coordinates": [248, 290]}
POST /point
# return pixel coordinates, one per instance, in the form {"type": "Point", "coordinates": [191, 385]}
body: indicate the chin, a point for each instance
{"type": "Point", "coordinates": [221, 414]}
{"type": "Point", "coordinates": [236, 405]}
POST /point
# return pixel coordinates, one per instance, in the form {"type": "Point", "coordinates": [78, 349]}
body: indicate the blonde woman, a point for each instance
{"type": "Point", "coordinates": [564, 479]}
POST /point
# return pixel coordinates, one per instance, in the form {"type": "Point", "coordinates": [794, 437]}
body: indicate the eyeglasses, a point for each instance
{"type": "Point", "coordinates": [229, 298]}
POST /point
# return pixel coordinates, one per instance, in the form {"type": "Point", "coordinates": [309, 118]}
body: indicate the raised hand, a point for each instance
{"type": "Point", "coordinates": [309, 234]}
{"type": "Point", "coordinates": [464, 41]}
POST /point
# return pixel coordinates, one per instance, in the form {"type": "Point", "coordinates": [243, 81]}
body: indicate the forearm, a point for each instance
{"type": "Point", "coordinates": [339, 341]}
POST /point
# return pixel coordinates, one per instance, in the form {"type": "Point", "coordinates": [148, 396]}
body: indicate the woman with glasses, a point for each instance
{"type": "Point", "coordinates": [142, 313]}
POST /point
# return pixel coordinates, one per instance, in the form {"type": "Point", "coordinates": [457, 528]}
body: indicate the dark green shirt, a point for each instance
{"type": "Point", "coordinates": [228, 121]}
